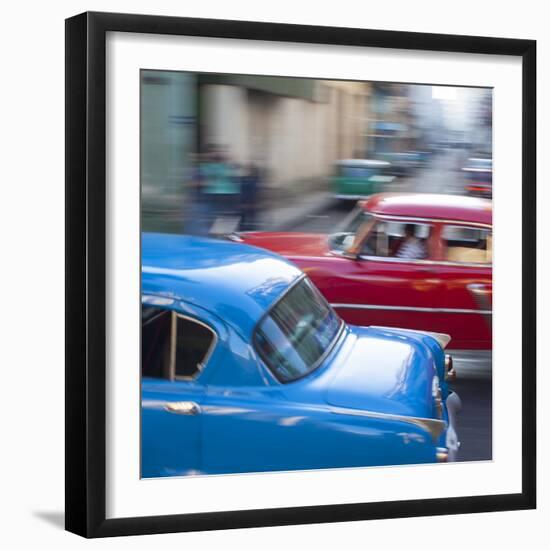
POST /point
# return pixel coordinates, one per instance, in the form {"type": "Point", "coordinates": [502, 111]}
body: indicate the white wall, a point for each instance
{"type": "Point", "coordinates": [31, 217]}
{"type": "Point", "coordinates": [299, 126]}
{"type": "Point", "coordinates": [275, 131]}
{"type": "Point", "coordinates": [226, 119]}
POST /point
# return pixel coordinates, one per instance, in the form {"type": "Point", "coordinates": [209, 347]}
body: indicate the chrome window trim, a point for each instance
{"type": "Point", "coordinates": [292, 284]}
{"type": "Point", "coordinates": [385, 236]}
{"type": "Point", "coordinates": [421, 221]}
{"type": "Point", "coordinates": [325, 354]}
{"type": "Point", "coordinates": [445, 240]}
{"type": "Point", "coordinates": [459, 264]}
{"type": "Point", "coordinates": [414, 308]}
{"type": "Point", "coordinates": [159, 314]}
{"type": "Point", "coordinates": [173, 335]}
{"type": "Point", "coordinates": [393, 259]}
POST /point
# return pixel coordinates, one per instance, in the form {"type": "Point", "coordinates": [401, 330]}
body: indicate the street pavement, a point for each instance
{"type": "Point", "coordinates": [474, 382]}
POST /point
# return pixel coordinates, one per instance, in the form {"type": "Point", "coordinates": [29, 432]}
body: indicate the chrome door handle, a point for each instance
{"type": "Point", "coordinates": [183, 407]}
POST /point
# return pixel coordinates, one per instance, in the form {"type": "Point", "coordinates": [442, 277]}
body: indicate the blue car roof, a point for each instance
{"type": "Point", "coordinates": [235, 281]}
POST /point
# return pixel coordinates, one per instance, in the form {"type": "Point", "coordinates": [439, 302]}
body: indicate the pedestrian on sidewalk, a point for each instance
{"type": "Point", "coordinates": [220, 188]}
{"type": "Point", "coordinates": [196, 213]}
{"type": "Point", "coordinates": [250, 188]}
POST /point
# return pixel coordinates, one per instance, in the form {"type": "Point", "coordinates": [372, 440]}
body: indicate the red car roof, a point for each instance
{"type": "Point", "coordinates": [431, 206]}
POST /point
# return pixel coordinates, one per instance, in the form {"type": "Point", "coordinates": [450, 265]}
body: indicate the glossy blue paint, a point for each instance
{"type": "Point", "coordinates": [354, 409]}
{"type": "Point", "coordinates": [424, 339]}
{"type": "Point", "coordinates": [238, 282]}
{"type": "Point", "coordinates": [170, 447]}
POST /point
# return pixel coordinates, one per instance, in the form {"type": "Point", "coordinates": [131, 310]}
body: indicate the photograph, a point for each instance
{"type": "Point", "coordinates": [316, 273]}
{"type": "Point", "coordinates": [277, 315]}
{"type": "Point", "coordinates": [285, 302]}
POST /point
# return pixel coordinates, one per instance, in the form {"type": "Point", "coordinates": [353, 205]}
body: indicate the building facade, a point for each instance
{"type": "Point", "coordinates": [391, 127]}
{"type": "Point", "coordinates": [294, 128]}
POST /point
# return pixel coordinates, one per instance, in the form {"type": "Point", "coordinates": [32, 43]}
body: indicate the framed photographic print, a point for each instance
{"type": "Point", "coordinates": [300, 274]}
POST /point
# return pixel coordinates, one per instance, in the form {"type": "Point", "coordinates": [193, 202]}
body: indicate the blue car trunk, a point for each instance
{"type": "Point", "coordinates": [384, 375]}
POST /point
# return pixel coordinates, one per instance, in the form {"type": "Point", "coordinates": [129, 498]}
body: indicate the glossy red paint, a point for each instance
{"type": "Point", "coordinates": [432, 206]}
{"type": "Point", "coordinates": [290, 244]}
{"type": "Point", "coordinates": [434, 295]}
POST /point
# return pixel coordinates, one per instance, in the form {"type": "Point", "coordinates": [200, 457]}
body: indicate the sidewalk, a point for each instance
{"type": "Point", "coordinates": [287, 214]}
{"type": "Point", "coordinates": [282, 214]}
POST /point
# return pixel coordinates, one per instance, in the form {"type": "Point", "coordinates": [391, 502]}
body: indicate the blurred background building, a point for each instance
{"type": "Point", "coordinates": [168, 142]}
{"type": "Point", "coordinates": [390, 128]}
{"type": "Point", "coordinates": [294, 130]}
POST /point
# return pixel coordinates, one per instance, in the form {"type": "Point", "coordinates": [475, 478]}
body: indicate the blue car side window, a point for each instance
{"type": "Point", "coordinates": [174, 346]}
{"type": "Point", "coordinates": [194, 342]}
{"type": "Point", "coordinates": [155, 342]}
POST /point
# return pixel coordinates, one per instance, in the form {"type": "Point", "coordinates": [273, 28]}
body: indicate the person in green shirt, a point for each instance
{"type": "Point", "coordinates": [221, 186]}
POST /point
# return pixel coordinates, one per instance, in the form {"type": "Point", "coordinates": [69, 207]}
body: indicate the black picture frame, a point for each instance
{"type": "Point", "coordinates": [86, 269]}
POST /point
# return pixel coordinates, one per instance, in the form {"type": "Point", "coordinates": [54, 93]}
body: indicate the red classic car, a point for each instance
{"type": "Point", "coordinates": [419, 261]}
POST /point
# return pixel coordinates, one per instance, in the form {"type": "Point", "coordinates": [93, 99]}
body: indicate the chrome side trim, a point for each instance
{"type": "Point", "coordinates": [441, 338]}
{"type": "Point", "coordinates": [393, 259]}
{"type": "Point", "coordinates": [433, 426]}
{"type": "Point", "coordinates": [173, 336]}
{"type": "Point", "coordinates": [482, 295]}
{"type": "Point", "coordinates": [414, 308]}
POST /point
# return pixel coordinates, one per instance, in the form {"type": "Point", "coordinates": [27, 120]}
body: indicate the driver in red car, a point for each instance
{"type": "Point", "coordinates": [411, 248]}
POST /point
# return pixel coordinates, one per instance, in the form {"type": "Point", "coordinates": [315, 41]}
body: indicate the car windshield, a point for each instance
{"type": "Point", "coordinates": [297, 333]}
{"type": "Point", "coordinates": [345, 234]}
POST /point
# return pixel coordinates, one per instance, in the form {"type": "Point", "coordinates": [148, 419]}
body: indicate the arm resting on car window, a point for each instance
{"type": "Point", "coordinates": [360, 236]}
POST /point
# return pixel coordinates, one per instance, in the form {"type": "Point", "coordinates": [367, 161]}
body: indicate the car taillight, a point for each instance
{"type": "Point", "coordinates": [477, 188]}
{"type": "Point", "coordinates": [450, 372]}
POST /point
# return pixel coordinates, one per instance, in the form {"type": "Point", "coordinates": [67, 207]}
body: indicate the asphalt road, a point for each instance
{"type": "Point", "coordinates": [474, 383]}
{"type": "Point", "coordinates": [475, 420]}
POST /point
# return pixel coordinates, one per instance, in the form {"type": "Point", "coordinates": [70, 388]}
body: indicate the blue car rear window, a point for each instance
{"type": "Point", "coordinates": [297, 332]}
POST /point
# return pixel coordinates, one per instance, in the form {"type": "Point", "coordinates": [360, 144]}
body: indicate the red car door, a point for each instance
{"type": "Point", "coordinates": [449, 290]}
{"type": "Point", "coordinates": [381, 288]}
{"type": "Point", "coordinates": [466, 292]}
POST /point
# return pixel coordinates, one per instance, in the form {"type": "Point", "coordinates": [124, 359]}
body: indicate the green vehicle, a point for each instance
{"type": "Point", "coordinates": [358, 178]}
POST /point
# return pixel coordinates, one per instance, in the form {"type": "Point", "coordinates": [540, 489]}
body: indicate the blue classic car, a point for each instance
{"type": "Point", "coordinates": [246, 368]}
